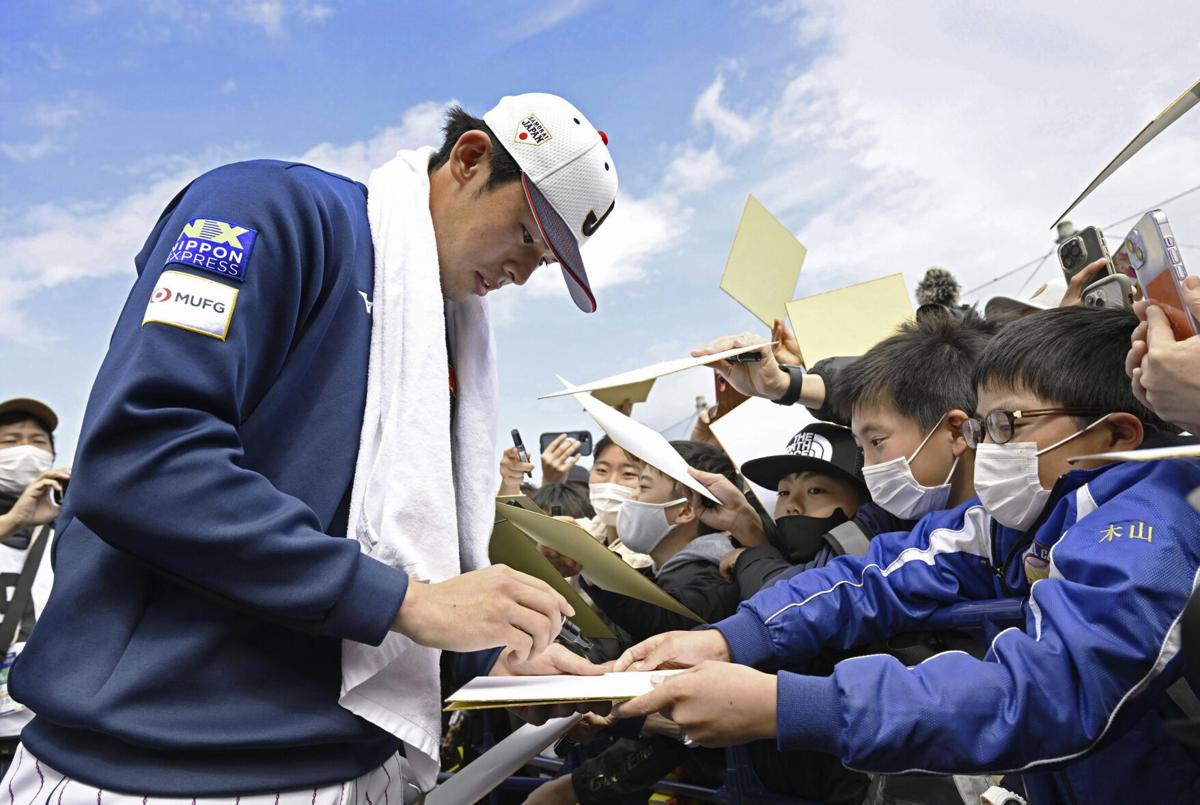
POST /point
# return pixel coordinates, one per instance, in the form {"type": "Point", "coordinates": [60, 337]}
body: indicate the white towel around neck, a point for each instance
{"type": "Point", "coordinates": [422, 499]}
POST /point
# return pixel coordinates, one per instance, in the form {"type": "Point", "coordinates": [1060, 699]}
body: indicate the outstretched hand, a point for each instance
{"type": "Point", "coordinates": [717, 703]}
{"type": "Point", "coordinates": [762, 378]}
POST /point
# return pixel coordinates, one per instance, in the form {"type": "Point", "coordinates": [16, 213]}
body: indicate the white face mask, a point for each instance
{"type": "Point", "coordinates": [642, 526]}
{"type": "Point", "coordinates": [1007, 480]}
{"type": "Point", "coordinates": [893, 486]}
{"type": "Point", "coordinates": [607, 500]}
{"type": "Point", "coordinates": [20, 465]}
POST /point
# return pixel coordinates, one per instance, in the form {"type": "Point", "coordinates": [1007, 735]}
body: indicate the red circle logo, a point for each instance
{"type": "Point", "coordinates": [523, 136]}
{"type": "Point", "coordinates": [161, 295]}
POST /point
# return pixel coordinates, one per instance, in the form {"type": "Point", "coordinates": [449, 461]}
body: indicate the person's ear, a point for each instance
{"type": "Point", "coordinates": [470, 157]}
{"type": "Point", "coordinates": [689, 513]}
{"type": "Point", "coordinates": [1125, 431]}
{"type": "Point", "coordinates": [954, 423]}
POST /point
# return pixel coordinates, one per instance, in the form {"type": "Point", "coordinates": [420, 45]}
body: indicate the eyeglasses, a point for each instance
{"type": "Point", "coordinates": [1001, 425]}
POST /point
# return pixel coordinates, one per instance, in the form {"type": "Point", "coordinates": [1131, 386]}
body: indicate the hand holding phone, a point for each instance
{"type": "Point", "coordinates": [1150, 253]}
{"type": "Point", "coordinates": [521, 451]}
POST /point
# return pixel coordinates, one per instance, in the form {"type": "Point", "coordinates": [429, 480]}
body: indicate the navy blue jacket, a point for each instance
{"type": "Point", "coordinates": [203, 584]}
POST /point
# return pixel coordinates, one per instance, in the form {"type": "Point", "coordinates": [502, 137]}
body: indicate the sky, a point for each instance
{"type": "Point", "coordinates": [887, 137]}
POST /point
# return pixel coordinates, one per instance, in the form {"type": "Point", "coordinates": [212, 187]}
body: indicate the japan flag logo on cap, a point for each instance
{"type": "Point", "coordinates": [530, 131]}
{"type": "Point", "coordinates": [567, 172]}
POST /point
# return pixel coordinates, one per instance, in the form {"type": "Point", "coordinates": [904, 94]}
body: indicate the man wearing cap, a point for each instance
{"type": "Point", "coordinates": [28, 506]}
{"type": "Point", "coordinates": [283, 488]}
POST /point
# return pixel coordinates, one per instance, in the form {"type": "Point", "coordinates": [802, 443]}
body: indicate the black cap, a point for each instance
{"type": "Point", "coordinates": [820, 447]}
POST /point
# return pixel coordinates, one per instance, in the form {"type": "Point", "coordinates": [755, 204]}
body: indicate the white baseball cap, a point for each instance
{"type": "Point", "coordinates": [568, 174]}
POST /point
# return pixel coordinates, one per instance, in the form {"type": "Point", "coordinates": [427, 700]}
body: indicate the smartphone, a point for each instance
{"type": "Point", "coordinates": [1151, 255]}
{"type": "Point", "coordinates": [1115, 291]}
{"type": "Point", "coordinates": [582, 436]}
{"type": "Point", "coordinates": [1084, 247]}
{"type": "Point", "coordinates": [522, 453]}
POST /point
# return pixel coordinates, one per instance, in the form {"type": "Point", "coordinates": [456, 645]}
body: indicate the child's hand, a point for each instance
{"type": "Point", "coordinates": [674, 650]}
{"type": "Point", "coordinates": [717, 703]}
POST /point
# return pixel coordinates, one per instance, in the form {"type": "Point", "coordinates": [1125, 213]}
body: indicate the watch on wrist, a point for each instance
{"type": "Point", "coordinates": [795, 384]}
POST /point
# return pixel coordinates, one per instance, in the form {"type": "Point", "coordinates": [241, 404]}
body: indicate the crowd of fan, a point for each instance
{"type": "Point", "coordinates": [905, 434]}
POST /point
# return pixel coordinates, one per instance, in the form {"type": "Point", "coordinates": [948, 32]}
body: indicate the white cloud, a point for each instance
{"type": "Point", "coordinates": [229, 87]}
{"type": "Point", "coordinates": [49, 115]}
{"type": "Point", "coordinates": [420, 125]}
{"type": "Point", "coordinates": [266, 14]}
{"type": "Point", "coordinates": [27, 152]}
{"type": "Point", "coordinates": [546, 17]}
{"type": "Point", "coordinates": [316, 11]}
{"type": "Point", "coordinates": [921, 137]}
{"type": "Point", "coordinates": [693, 170]}
{"type": "Point", "coordinates": [272, 15]}
{"type": "Point", "coordinates": [727, 124]}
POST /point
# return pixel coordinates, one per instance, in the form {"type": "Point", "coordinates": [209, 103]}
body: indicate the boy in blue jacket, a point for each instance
{"type": "Point", "coordinates": [1106, 552]}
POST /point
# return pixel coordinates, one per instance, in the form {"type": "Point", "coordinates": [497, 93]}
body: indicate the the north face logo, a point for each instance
{"type": "Point", "coordinates": [531, 131]}
{"type": "Point", "coordinates": [810, 445]}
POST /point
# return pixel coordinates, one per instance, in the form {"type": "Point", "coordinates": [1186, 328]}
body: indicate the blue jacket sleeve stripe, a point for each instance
{"type": "Point", "coordinates": [971, 538]}
{"type": "Point", "coordinates": [853, 600]}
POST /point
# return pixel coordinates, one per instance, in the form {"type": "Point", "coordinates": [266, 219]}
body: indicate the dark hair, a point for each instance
{"type": "Point", "coordinates": [606, 443]}
{"type": "Point", "coordinates": [706, 458]}
{"type": "Point", "coordinates": [574, 503]}
{"type": "Point", "coordinates": [504, 168]}
{"type": "Point", "coordinates": [17, 417]}
{"type": "Point", "coordinates": [1069, 356]}
{"type": "Point", "coordinates": [922, 371]}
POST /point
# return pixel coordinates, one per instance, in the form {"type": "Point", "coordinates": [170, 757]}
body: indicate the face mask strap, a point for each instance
{"type": "Point", "coordinates": [1061, 442]}
{"type": "Point", "coordinates": [932, 431]}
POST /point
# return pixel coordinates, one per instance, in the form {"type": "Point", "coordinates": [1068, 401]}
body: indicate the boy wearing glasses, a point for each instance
{"type": "Point", "coordinates": [1106, 553]}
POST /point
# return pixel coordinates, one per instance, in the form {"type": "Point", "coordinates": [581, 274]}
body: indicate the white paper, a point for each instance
{"type": "Point", "coordinates": [1151, 454]}
{"type": "Point", "coordinates": [474, 781]}
{"type": "Point", "coordinates": [644, 442]}
{"type": "Point", "coordinates": [758, 428]}
{"type": "Point", "coordinates": [654, 371]}
{"type": "Point", "coordinates": [557, 688]}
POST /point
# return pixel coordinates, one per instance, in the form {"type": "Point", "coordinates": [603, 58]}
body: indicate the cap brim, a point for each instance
{"type": "Point", "coordinates": [562, 243]}
{"type": "Point", "coordinates": [768, 471]}
{"type": "Point", "coordinates": [33, 407]}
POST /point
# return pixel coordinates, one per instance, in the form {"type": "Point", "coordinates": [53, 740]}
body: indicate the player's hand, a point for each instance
{"type": "Point", "coordinates": [497, 606]}
{"type": "Point", "coordinates": [674, 650]}
{"type": "Point", "coordinates": [1074, 293]}
{"type": "Point", "coordinates": [762, 378]}
{"type": "Point", "coordinates": [512, 472]}
{"type": "Point", "coordinates": [716, 703]}
{"type": "Point", "coordinates": [558, 458]}
{"type": "Point", "coordinates": [557, 659]}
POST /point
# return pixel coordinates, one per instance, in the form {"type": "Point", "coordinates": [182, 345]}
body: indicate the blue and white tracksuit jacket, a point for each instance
{"type": "Point", "coordinates": [1075, 701]}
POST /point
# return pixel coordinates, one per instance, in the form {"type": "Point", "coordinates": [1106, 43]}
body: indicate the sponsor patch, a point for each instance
{"type": "Point", "coordinates": [192, 303]}
{"type": "Point", "coordinates": [531, 131]}
{"type": "Point", "coordinates": [219, 247]}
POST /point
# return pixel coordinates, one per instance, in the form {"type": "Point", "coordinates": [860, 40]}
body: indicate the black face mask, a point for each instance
{"type": "Point", "coordinates": [803, 536]}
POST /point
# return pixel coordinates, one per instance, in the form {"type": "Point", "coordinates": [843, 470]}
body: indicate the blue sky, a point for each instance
{"type": "Point", "coordinates": [888, 139]}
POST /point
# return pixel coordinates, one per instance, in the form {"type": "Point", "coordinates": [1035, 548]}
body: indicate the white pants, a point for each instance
{"type": "Point", "coordinates": [31, 782]}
